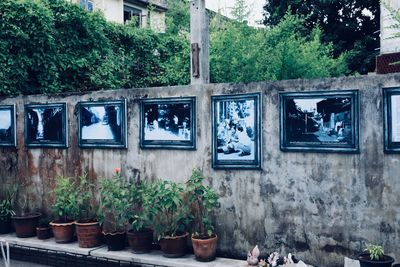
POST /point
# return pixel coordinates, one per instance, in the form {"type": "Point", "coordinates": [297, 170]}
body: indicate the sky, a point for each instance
{"type": "Point", "coordinates": [255, 6]}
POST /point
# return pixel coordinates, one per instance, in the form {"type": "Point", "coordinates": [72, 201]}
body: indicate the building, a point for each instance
{"type": "Point", "coordinates": [144, 13]}
{"type": "Point", "coordinates": [390, 46]}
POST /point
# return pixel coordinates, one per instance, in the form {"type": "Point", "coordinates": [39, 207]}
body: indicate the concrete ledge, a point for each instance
{"type": "Point", "coordinates": [154, 258]}
{"type": "Point", "coordinates": [49, 244]}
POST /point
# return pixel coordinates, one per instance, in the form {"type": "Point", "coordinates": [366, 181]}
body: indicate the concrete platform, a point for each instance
{"type": "Point", "coordinates": [154, 258]}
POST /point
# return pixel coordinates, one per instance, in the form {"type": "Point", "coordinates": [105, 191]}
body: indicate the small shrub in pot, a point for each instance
{"type": "Point", "coordinates": [203, 201]}
{"type": "Point", "coordinates": [113, 209]}
{"type": "Point", "coordinates": [374, 256]}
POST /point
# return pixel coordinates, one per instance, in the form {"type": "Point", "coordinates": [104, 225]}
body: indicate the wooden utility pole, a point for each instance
{"type": "Point", "coordinates": [199, 56]}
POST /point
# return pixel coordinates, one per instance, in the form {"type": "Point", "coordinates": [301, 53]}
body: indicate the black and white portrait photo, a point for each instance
{"type": "Point", "coordinates": [168, 123]}
{"type": "Point", "coordinates": [391, 109]}
{"type": "Point", "coordinates": [102, 124]}
{"type": "Point", "coordinates": [236, 135]}
{"type": "Point", "coordinates": [7, 126]}
{"type": "Point", "coordinates": [45, 125]}
{"type": "Point", "coordinates": [321, 121]}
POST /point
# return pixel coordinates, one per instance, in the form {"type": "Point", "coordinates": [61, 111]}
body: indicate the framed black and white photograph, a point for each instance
{"type": "Point", "coordinates": [391, 110]}
{"type": "Point", "coordinates": [7, 126]}
{"type": "Point", "coordinates": [236, 131]}
{"type": "Point", "coordinates": [46, 125]}
{"type": "Point", "coordinates": [168, 123]}
{"type": "Point", "coordinates": [320, 121]}
{"type": "Point", "coordinates": [102, 124]}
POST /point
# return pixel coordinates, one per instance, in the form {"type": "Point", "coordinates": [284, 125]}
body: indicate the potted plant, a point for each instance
{"type": "Point", "coordinates": [374, 256]}
{"type": "Point", "coordinates": [113, 208]}
{"type": "Point", "coordinates": [43, 230]}
{"type": "Point", "coordinates": [66, 208]}
{"type": "Point", "coordinates": [203, 201]}
{"type": "Point", "coordinates": [141, 212]}
{"type": "Point", "coordinates": [6, 210]}
{"type": "Point", "coordinates": [88, 230]}
{"type": "Point", "coordinates": [25, 221]}
{"type": "Point", "coordinates": [171, 218]}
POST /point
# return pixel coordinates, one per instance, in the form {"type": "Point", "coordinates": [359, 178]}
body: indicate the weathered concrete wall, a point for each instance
{"type": "Point", "coordinates": [320, 206]}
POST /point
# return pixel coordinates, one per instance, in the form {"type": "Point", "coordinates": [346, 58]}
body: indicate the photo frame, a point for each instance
{"type": "Point", "coordinates": [102, 124]}
{"type": "Point", "coordinates": [46, 125]}
{"type": "Point", "coordinates": [168, 123]}
{"type": "Point", "coordinates": [236, 131]}
{"type": "Point", "coordinates": [8, 126]}
{"type": "Point", "coordinates": [326, 121]}
{"type": "Point", "coordinates": [391, 121]}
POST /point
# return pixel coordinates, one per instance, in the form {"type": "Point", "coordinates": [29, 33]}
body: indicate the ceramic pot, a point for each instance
{"type": "Point", "coordinates": [365, 261]}
{"type": "Point", "coordinates": [63, 232]}
{"type": "Point", "coordinates": [25, 225]}
{"type": "Point", "coordinates": [205, 248]}
{"type": "Point", "coordinates": [175, 246]}
{"type": "Point", "coordinates": [89, 234]}
{"type": "Point", "coordinates": [140, 242]}
{"type": "Point", "coordinates": [5, 226]}
{"type": "Point", "coordinates": [43, 232]}
{"type": "Point", "coordinates": [115, 241]}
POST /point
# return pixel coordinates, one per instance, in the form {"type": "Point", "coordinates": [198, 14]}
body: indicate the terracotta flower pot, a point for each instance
{"type": "Point", "coordinates": [204, 248]}
{"type": "Point", "coordinates": [5, 226]}
{"type": "Point", "coordinates": [63, 232]}
{"type": "Point", "coordinates": [365, 261]}
{"type": "Point", "coordinates": [43, 232]}
{"type": "Point", "coordinates": [115, 241]}
{"type": "Point", "coordinates": [89, 234]}
{"type": "Point", "coordinates": [141, 242]}
{"type": "Point", "coordinates": [25, 226]}
{"type": "Point", "coordinates": [174, 247]}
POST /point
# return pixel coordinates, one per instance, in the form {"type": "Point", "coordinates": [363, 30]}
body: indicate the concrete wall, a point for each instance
{"type": "Point", "coordinates": [319, 206]}
{"type": "Point", "coordinates": [388, 43]}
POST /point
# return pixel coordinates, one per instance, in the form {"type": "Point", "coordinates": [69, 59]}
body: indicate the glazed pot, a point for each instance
{"type": "Point", "coordinates": [115, 240]}
{"type": "Point", "coordinates": [25, 225]}
{"type": "Point", "coordinates": [140, 242]}
{"type": "Point", "coordinates": [43, 232]}
{"type": "Point", "coordinates": [88, 233]}
{"type": "Point", "coordinates": [63, 232]}
{"type": "Point", "coordinates": [204, 248]}
{"type": "Point", "coordinates": [174, 246]}
{"type": "Point", "coordinates": [365, 261]}
{"type": "Point", "coordinates": [5, 226]}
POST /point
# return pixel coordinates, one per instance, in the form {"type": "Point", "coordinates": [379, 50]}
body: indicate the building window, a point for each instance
{"type": "Point", "coordinates": [87, 5]}
{"type": "Point", "coordinates": [134, 14]}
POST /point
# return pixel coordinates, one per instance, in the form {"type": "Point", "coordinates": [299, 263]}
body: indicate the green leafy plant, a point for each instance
{"type": "Point", "coordinates": [203, 201]}
{"type": "Point", "coordinates": [375, 252]}
{"type": "Point", "coordinates": [85, 199]}
{"type": "Point", "coordinates": [7, 201]}
{"type": "Point", "coordinates": [66, 204]}
{"type": "Point", "coordinates": [172, 214]}
{"type": "Point", "coordinates": [142, 210]}
{"type": "Point", "coordinates": [114, 203]}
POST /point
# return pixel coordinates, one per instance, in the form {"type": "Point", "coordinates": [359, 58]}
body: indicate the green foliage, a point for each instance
{"type": "Point", "coordinates": [172, 212]}
{"type": "Point", "coordinates": [85, 198]}
{"type": "Point", "coordinates": [114, 203]}
{"type": "Point", "coordinates": [203, 201]}
{"type": "Point", "coordinates": [345, 24]}
{"type": "Point", "coordinates": [240, 11]}
{"type": "Point", "coordinates": [375, 252]}
{"type": "Point", "coordinates": [243, 54]}
{"type": "Point", "coordinates": [66, 204]}
{"type": "Point", "coordinates": [51, 46]}
{"type": "Point", "coordinates": [7, 202]}
{"type": "Point", "coordinates": [142, 210]}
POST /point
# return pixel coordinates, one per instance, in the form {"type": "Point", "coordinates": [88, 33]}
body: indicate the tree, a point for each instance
{"type": "Point", "coordinates": [240, 53]}
{"type": "Point", "coordinates": [351, 25]}
{"type": "Point", "coordinates": [240, 11]}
